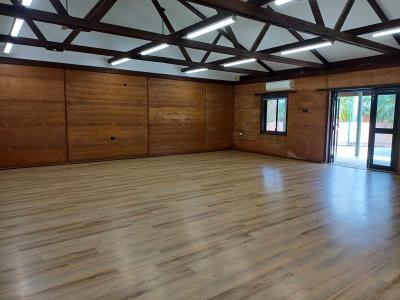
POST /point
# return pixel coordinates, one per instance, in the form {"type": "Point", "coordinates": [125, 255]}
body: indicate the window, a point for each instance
{"type": "Point", "coordinates": [274, 114]}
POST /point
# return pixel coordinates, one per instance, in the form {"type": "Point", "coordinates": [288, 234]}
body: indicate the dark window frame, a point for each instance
{"type": "Point", "coordinates": [263, 113]}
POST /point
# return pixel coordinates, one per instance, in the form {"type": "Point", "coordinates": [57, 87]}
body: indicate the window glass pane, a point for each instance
{"type": "Point", "coordinates": [383, 149]}
{"type": "Point", "coordinates": [386, 111]}
{"type": "Point", "coordinates": [281, 126]}
{"type": "Point", "coordinates": [271, 114]}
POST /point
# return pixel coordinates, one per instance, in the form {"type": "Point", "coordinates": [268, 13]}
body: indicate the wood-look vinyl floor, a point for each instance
{"type": "Point", "coordinates": [221, 225]}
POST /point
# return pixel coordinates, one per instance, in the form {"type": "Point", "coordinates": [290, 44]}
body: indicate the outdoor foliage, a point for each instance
{"type": "Point", "coordinates": [386, 106]}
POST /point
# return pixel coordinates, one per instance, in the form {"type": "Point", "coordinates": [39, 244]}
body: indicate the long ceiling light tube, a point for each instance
{"type": "Point", "coordinates": [120, 61]}
{"type": "Point", "coordinates": [154, 49]}
{"type": "Point", "coordinates": [306, 48]}
{"type": "Point", "coordinates": [16, 27]}
{"type": "Point", "coordinates": [196, 70]}
{"type": "Point", "coordinates": [386, 32]}
{"type": "Point", "coordinates": [212, 27]}
{"type": "Point", "coordinates": [281, 2]}
{"type": "Point", "coordinates": [239, 62]}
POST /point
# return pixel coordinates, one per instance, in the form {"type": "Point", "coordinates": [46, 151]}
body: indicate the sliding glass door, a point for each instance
{"type": "Point", "coordinates": [384, 128]}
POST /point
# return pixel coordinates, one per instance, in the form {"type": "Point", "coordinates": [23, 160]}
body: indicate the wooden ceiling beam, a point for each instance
{"type": "Point", "coordinates": [59, 7]}
{"type": "Point", "coordinates": [180, 33]}
{"type": "Point", "coordinates": [316, 12]}
{"type": "Point", "coordinates": [260, 2]}
{"type": "Point", "coordinates": [170, 28]}
{"type": "Point", "coordinates": [381, 14]}
{"type": "Point", "coordinates": [303, 43]}
{"type": "Point", "coordinates": [215, 41]}
{"type": "Point", "coordinates": [374, 27]}
{"type": "Point", "coordinates": [351, 65]}
{"type": "Point", "coordinates": [343, 16]}
{"type": "Point", "coordinates": [264, 15]}
{"type": "Point", "coordinates": [257, 43]}
{"type": "Point", "coordinates": [107, 52]}
{"type": "Point", "coordinates": [238, 45]}
{"type": "Point", "coordinates": [314, 52]}
{"type": "Point", "coordinates": [301, 39]}
{"type": "Point", "coordinates": [32, 25]}
{"type": "Point", "coordinates": [82, 24]}
{"type": "Point", "coordinates": [356, 31]}
{"type": "Point", "coordinates": [228, 34]}
{"type": "Point", "coordinates": [260, 37]}
{"type": "Point", "coordinates": [95, 14]}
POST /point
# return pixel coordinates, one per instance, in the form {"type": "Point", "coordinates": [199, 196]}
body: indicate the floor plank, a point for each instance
{"type": "Point", "coordinates": [218, 225]}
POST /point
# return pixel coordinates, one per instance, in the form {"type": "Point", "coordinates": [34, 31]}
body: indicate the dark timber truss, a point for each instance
{"type": "Point", "coordinates": [252, 9]}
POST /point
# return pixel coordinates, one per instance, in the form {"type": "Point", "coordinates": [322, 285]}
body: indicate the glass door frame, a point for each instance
{"type": "Point", "coordinates": [333, 127]}
{"type": "Point", "coordinates": [334, 119]}
{"type": "Point", "coordinates": [394, 131]}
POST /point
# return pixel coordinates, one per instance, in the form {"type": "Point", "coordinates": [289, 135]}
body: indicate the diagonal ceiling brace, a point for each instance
{"type": "Point", "coordinates": [31, 24]}
{"type": "Point", "coordinates": [73, 22]}
{"type": "Point", "coordinates": [263, 15]}
{"type": "Point", "coordinates": [95, 14]}
{"type": "Point", "coordinates": [229, 34]}
{"type": "Point", "coordinates": [301, 39]}
{"type": "Point", "coordinates": [381, 14]}
{"type": "Point", "coordinates": [108, 52]}
{"type": "Point", "coordinates": [59, 7]}
{"type": "Point", "coordinates": [171, 29]}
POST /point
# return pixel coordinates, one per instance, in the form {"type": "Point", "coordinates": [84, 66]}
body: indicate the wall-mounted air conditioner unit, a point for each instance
{"type": "Point", "coordinates": [279, 86]}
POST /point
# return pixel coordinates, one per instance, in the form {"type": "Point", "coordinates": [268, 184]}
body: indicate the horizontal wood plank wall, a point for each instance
{"type": "Point", "coordinates": [306, 136]}
{"type": "Point", "coordinates": [306, 131]}
{"type": "Point", "coordinates": [247, 123]}
{"type": "Point", "coordinates": [32, 116]}
{"type": "Point", "coordinates": [107, 115]}
{"type": "Point", "coordinates": [176, 116]}
{"type": "Point", "coordinates": [219, 117]}
{"type": "Point", "coordinates": [364, 78]}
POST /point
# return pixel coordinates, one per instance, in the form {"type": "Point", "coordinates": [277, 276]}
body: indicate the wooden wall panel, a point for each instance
{"type": "Point", "coordinates": [104, 106]}
{"type": "Point", "coordinates": [307, 130]}
{"type": "Point", "coordinates": [247, 135]}
{"type": "Point", "coordinates": [32, 116]}
{"type": "Point", "coordinates": [176, 116]}
{"type": "Point", "coordinates": [365, 78]}
{"type": "Point", "coordinates": [219, 117]}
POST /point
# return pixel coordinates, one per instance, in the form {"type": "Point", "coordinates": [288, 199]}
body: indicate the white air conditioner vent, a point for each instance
{"type": "Point", "coordinates": [276, 86]}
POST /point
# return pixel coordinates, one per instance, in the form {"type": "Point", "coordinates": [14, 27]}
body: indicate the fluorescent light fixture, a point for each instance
{"type": "Point", "coordinates": [280, 2]}
{"type": "Point", "coordinates": [26, 2]}
{"type": "Point", "coordinates": [154, 49]}
{"type": "Point", "coordinates": [306, 48]}
{"type": "Point", "coordinates": [17, 27]}
{"type": "Point", "coordinates": [196, 70]}
{"type": "Point", "coordinates": [120, 61]}
{"type": "Point", "coordinates": [7, 48]}
{"type": "Point", "coordinates": [387, 32]}
{"type": "Point", "coordinates": [211, 27]}
{"type": "Point", "coordinates": [239, 62]}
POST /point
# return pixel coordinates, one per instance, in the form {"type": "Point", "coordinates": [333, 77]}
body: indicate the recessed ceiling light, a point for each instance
{"type": "Point", "coordinates": [120, 61]}
{"type": "Point", "coordinates": [211, 27]}
{"type": "Point", "coordinates": [196, 70]}
{"type": "Point", "coordinates": [239, 62]}
{"type": "Point", "coordinates": [154, 49]}
{"type": "Point", "coordinates": [387, 32]}
{"type": "Point", "coordinates": [306, 48]}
